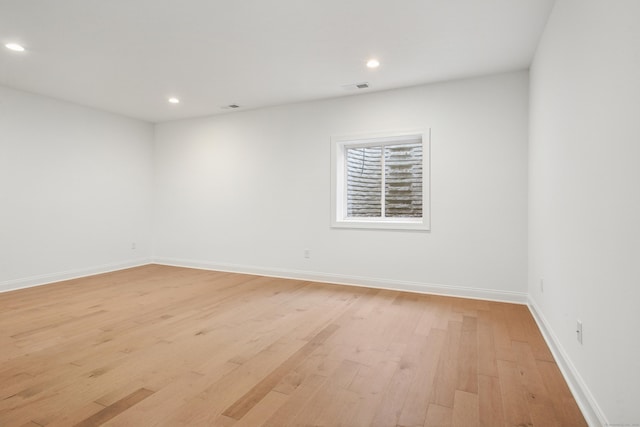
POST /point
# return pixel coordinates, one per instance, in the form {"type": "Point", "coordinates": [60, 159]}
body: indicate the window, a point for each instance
{"type": "Point", "coordinates": [381, 181]}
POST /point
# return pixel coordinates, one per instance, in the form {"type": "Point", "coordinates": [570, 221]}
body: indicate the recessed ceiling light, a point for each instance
{"type": "Point", "coordinates": [15, 47]}
{"type": "Point", "coordinates": [174, 101]}
{"type": "Point", "coordinates": [373, 63]}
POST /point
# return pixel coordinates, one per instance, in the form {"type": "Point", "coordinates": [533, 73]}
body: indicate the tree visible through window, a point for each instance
{"type": "Point", "coordinates": [381, 180]}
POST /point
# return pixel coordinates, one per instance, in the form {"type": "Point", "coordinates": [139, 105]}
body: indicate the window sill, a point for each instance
{"type": "Point", "coordinates": [382, 225]}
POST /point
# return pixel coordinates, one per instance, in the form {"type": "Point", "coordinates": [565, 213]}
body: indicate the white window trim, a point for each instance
{"type": "Point", "coordinates": [338, 183]}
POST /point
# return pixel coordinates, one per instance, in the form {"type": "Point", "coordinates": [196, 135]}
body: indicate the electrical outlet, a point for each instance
{"type": "Point", "coordinates": [307, 253]}
{"type": "Point", "coordinates": [579, 331]}
{"type": "Point", "coordinates": [541, 285]}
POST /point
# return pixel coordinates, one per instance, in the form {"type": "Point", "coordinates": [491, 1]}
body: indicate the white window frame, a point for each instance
{"type": "Point", "coordinates": [339, 144]}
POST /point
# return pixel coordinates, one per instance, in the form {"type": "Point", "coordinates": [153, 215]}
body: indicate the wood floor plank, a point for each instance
{"type": "Point", "coordinates": [369, 384]}
{"type": "Point", "coordinates": [318, 363]}
{"type": "Point", "coordinates": [487, 364]}
{"type": "Point", "coordinates": [467, 366]}
{"type": "Point", "coordinates": [490, 407]}
{"type": "Point", "coordinates": [332, 401]}
{"type": "Point", "coordinates": [160, 345]}
{"type": "Point", "coordinates": [263, 410]}
{"type": "Point", "coordinates": [442, 308]}
{"type": "Point", "coordinates": [168, 400]}
{"type": "Point", "coordinates": [446, 377]}
{"type": "Point", "coordinates": [294, 405]}
{"type": "Point", "coordinates": [72, 417]}
{"type": "Point", "coordinates": [243, 405]}
{"type": "Point", "coordinates": [501, 336]}
{"type": "Point", "coordinates": [426, 358]}
{"type": "Point", "coordinates": [538, 397]}
{"type": "Point", "coordinates": [534, 337]}
{"type": "Point", "coordinates": [117, 408]}
{"type": "Point", "coordinates": [438, 416]}
{"type": "Point", "coordinates": [465, 409]}
{"type": "Point", "coordinates": [205, 405]}
{"type": "Point", "coordinates": [565, 405]}
{"type": "Point", "coordinates": [514, 402]}
{"type": "Point", "coordinates": [395, 395]}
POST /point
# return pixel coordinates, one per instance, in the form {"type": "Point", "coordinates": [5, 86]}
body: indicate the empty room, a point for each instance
{"type": "Point", "coordinates": [319, 213]}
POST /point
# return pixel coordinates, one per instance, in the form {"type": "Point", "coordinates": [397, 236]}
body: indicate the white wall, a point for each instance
{"type": "Point", "coordinates": [585, 196]}
{"type": "Point", "coordinates": [249, 191]}
{"type": "Point", "coordinates": [75, 190]}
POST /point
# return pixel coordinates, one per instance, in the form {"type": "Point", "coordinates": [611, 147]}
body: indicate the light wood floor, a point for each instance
{"type": "Point", "coordinates": [159, 345]}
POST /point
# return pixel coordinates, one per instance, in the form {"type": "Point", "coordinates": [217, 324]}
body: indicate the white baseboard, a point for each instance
{"type": "Point", "coordinates": [44, 279]}
{"type": "Point", "coordinates": [584, 398]}
{"type": "Point", "coordinates": [396, 285]}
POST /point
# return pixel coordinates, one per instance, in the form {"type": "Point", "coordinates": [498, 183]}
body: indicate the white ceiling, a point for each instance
{"type": "Point", "coordinates": [129, 56]}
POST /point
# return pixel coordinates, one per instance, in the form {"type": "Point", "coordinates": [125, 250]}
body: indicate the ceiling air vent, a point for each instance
{"type": "Point", "coordinates": [356, 86]}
